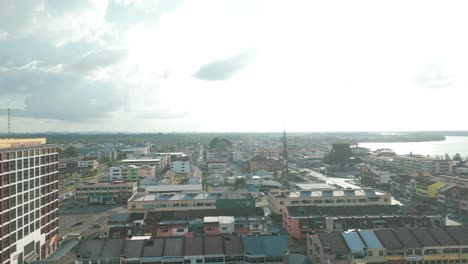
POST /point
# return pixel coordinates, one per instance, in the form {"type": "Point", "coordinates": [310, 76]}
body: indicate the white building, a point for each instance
{"type": "Point", "coordinates": [91, 163]}
{"type": "Point", "coordinates": [180, 166]}
{"type": "Point", "coordinates": [115, 173]}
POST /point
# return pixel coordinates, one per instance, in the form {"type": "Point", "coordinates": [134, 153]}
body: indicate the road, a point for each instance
{"type": "Point", "coordinates": [340, 182]}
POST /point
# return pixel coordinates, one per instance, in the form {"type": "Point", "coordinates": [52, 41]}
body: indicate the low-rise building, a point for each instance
{"type": "Point", "coordinates": [427, 188]}
{"type": "Point", "coordinates": [209, 222]}
{"type": "Point", "coordinates": [159, 163]}
{"type": "Point", "coordinates": [104, 192]}
{"type": "Point", "coordinates": [299, 221]}
{"type": "Point", "coordinates": [455, 195]}
{"type": "Point", "coordinates": [264, 163]}
{"type": "Point", "coordinates": [189, 201]}
{"type": "Point", "coordinates": [205, 249]}
{"type": "Point", "coordinates": [181, 165]}
{"type": "Point", "coordinates": [131, 172]}
{"type": "Point", "coordinates": [391, 245]}
{"type": "Point", "coordinates": [421, 163]}
{"type": "Point", "coordinates": [278, 200]}
{"type": "Point", "coordinates": [88, 163]}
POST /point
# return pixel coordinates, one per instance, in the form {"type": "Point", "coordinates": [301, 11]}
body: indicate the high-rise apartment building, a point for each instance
{"type": "Point", "coordinates": [29, 213]}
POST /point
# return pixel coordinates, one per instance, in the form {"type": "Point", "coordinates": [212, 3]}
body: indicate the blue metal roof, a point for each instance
{"type": "Point", "coordinates": [371, 240]}
{"type": "Point", "coordinates": [354, 242]}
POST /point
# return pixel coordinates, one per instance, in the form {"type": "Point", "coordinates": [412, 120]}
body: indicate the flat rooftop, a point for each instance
{"type": "Point", "coordinates": [21, 142]}
{"type": "Point", "coordinates": [332, 193]}
{"type": "Point", "coordinates": [145, 197]}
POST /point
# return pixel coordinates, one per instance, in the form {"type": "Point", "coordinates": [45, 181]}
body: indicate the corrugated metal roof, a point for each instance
{"type": "Point", "coordinates": [333, 241]}
{"type": "Point", "coordinates": [193, 246]}
{"type": "Point", "coordinates": [173, 247]}
{"type": "Point", "coordinates": [213, 245]}
{"type": "Point", "coordinates": [232, 245]}
{"type": "Point", "coordinates": [153, 248]}
{"type": "Point", "coordinates": [133, 248]}
{"type": "Point", "coordinates": [388, 239]}
{"type": "Point", "coordinates": [370, 239]}
{"type": "Point", "coordinates": [112, 248]}
{"type": "Point", "coordinates": [354, 242]}
{"type": "Point", "coordinates": [269, 246]}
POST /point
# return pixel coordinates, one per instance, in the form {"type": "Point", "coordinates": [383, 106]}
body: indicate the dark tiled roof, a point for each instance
{"type": "Point", "coordinates": [193, 246]}
{"type": "Point", "coordinates": [424, 237]}
{"type": "Point", "coordinates": [333, 241]}
{"type": "Point", "coordinates": [388, 239]}
{"type": "Point", "coordinates": [174, 246]}
{"type": "Point", "coordinates": [406, 238]}
{"type": "Point", "coordinates": [441, 235]}
{"type": "Point", "coordinates": [213, 245]}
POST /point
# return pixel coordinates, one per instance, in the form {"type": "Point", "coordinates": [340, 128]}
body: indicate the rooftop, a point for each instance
{"type": "Point", "coordinates": [145, 197]}
{"type": "Point", "coordinates": [333, 193]}
{"type": "Point", "coordinates": [269, 246]}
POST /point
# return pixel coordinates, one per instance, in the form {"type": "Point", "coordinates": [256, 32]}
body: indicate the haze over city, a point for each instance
{"type": "Point", "coordinates": [161, 66]}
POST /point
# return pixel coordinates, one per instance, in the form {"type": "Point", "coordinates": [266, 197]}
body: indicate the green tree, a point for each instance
{"type": "Point", "coordinates": [69, 152]}
{"type": "Point", "coordinates": [240, 184]}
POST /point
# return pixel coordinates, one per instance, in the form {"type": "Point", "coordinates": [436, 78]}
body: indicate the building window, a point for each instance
{"type": "Point", "coordinates": [164, 230]}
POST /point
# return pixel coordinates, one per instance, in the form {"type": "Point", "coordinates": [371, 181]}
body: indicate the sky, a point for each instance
{"type": "Point", "coordinates": [233, 66]}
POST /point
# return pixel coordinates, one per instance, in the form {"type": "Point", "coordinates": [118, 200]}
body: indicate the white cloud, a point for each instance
{"type": "Point", "coordinates": [319, 65]}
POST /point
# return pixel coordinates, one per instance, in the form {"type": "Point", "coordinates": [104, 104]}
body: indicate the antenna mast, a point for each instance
{"type": "Point", "coordinates": [285, 154]}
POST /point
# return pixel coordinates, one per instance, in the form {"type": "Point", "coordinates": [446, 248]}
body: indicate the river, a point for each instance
{"type": "Point", "coordinates": [451, 146]}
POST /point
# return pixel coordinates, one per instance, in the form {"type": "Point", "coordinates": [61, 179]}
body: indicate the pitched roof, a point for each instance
{"type": "Point", "coordinates": [388, 239]}
{"type": "Point", "coordinates": [333, 241]}
{"type": "Point", "coordinates": [269, 246]}
{"type": "Point", "coordinates": [112, 248]}
{"type": "Point", "coordinates": [153, 248]}
{"type": "Point", "coordinates": [424, 237]}
{"type": "Point", "coordinates": [193, 246]}
{"type": "Point", "coordinates": [173, 246]}
{"type": "Point", "coordinates": [441, 235]}
{"type": "Point", "coordinates": [406, 238]}
{"type": "Point", "coordinates": [233, 245]}
{"type": "Point", "coordinates": [354, 242]}
{"type": "Point", "coordinates": [213, 245]}
{"type": "Point", "coordinates": [370, 239]}
{"type": "Point", "coordinates": [459, 233]}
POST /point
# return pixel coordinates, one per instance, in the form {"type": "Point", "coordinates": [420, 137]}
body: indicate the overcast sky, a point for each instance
{"type": "Point", "coordinates": [160, 66]}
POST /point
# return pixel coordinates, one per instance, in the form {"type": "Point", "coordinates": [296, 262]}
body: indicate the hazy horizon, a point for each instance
{"type": "Point", "coordinates": [224, 66]}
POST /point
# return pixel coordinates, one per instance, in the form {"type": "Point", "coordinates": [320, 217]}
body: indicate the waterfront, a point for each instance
{"type": "Point", "coordinates": [451, 146]}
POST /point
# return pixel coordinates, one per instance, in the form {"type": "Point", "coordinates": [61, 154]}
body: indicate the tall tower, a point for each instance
{"type": "Point", "coordinates": [29, 193]}
{"type": "Point", "coordinates": [285, 155]}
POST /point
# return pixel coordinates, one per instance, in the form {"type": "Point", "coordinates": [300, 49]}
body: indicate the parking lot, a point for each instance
{"type": "Point", "coordinates": [88, 220]}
